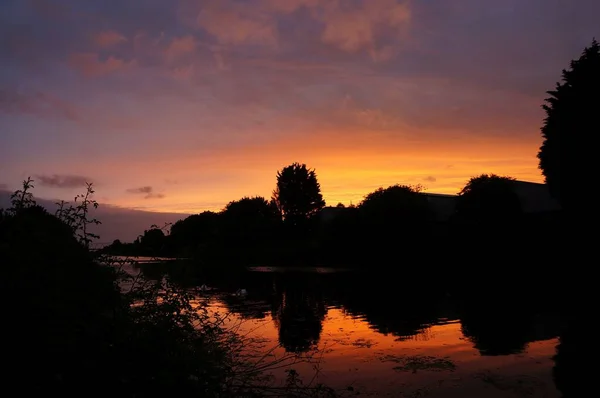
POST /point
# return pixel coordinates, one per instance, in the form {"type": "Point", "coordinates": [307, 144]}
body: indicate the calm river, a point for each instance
{"type": "Point", "coordinates": [373, 337]}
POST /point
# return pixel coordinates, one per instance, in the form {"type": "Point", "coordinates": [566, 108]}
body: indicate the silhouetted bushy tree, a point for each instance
{"type": "Point", "coordinates": [153, 241]}
{"type": "Point", "coordinates": [488, 197]}
{"type": "Point", "coordinates": [391, 219]}
{"type": "Point", "coordinates": [250, 219]}
{"type": "Point", "coordinates": [568, 154]}
{"type": "Point", "coordinates": [395, 204]}
{"type": "Point", "coordinates": [195, 231]}
{"type": "Point", "coordinates": [298, 194]}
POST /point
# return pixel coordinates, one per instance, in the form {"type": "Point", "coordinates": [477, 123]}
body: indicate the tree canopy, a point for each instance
{"type": "Point", "coordinates": [298, 193]}
{"type": "Point", "coordinates": [397, 203]}
{"type": "Point", "coordinates": [195, 229]}
{"type": "Point", "coordinates": [567, 154]}
{"type": "Point", "coordinates": [153, 240]}
{"type": "Point", "coordinates": [488, 196]}
{"type": "Point", "coordinates": [250, 208]}
{"type": "Point", "coordinates": [250, 218]}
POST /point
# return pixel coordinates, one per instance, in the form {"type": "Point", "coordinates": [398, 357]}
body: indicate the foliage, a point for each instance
{"type": "Point", "coordinates": [249, 220]}
{"type": "Point", "coordinates": [22, 198]}
{"type": "Point", "coordinates": [194, 231]}
{"type": "Point", "coordinates": [153, 240]}
{"type": "Point", "coordinates": [567, 155]}
{"type": "Point", "coordinates": [65, 300]}
{"type": "Point", "coordinates": [76, 215]}
{"type": "Point", "coordinates": [83, 320]}
{"type": "Point", "coordinates": [387, 218]}
{"type": "Point", "coordinates": [395, 204]}
{"type": "Point", "coordinates": [298, 194]}
{"type": "Point", "coordinates": [488, 197]}
{"type": "Point", "coordinates": [250, 208]}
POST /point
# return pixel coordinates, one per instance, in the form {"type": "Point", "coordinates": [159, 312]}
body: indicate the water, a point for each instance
{"type": "Point", "coordinates": [374, 336]}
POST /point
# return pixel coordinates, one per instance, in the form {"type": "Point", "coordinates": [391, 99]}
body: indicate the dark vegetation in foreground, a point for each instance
{"type": "Point", "coordinates": [79, 322]}
{"type": "Point", "coordinates": [77, 325]}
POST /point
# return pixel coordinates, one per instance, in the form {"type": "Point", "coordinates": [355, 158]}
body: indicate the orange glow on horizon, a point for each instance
{"type": "Point", "coordinates": [347, 170]}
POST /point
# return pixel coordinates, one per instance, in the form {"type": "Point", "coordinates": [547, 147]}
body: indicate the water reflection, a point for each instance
{"type": "Point", "coordinates": [574, 359]}
{"type": "Point", "coordinates": [403, 313]}
{"type": "Point", "coordinates": [367, 326]}
{"type": "Point", "coordinates": [497, 330]}
{"type": "Point", "coordinates": [298, 313]}
{"type": "Point", "coordinates": [501, 323]}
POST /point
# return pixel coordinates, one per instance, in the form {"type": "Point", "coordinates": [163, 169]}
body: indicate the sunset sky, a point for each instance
{"type": "Point", "coordinates": [184, 105]}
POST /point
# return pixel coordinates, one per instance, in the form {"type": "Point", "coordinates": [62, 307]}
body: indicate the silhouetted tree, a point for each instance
{"type": "Point", "coordinates": [488, 197]}
{"type": "Point", "coordinates": [567, 155]}
{"type": "Point", "coordinates": [398, 210]}
{"type": "Point", "coordinates": [298, 194]}
{"type": "Point", "coordinates": [153, 240]}
{"type": "Point", "coordinates": [251, 210]}
{"type": "Point", "coordinates": [386, 220]}
{"type": "Point", "coordinates": [195, 231]}
{"type": "Point", "coordinates": [395, 204]}
{"type": "Point", "coordinates": [250, 219]}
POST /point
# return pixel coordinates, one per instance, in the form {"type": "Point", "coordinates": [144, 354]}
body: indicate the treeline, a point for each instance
{"type": "Point", "coordinates": [391, 227]}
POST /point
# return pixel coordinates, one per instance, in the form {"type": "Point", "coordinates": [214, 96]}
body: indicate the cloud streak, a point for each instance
{"type": "Point", "coordinates": [62, 181]}
{"type": "Point", "coordinates": [147, 191]}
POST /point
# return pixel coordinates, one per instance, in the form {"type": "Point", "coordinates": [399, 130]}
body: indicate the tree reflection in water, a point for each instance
{"type": "Point", "coordinates": [298, 312]}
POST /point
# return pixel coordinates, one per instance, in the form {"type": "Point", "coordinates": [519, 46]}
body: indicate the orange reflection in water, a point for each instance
{"type": "Point", "coordinates": [353, 353]}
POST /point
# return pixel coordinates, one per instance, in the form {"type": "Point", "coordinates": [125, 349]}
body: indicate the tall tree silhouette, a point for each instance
{"type": "Point", "coordinates": [486, 197]}
{"type": "Point", "coordinates": [567, 155]}
{"type": "Point", "coordinates": [298, 194]}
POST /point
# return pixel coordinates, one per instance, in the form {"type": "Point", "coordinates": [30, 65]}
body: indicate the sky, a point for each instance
{"type": "Point", "coordinates": [181, 106]}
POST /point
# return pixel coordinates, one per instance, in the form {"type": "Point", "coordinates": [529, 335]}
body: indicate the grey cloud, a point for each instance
{"type": "Point", "coordinates": [148, 191]}
{"type": "Point", "coordinates": [430, 179]}
{"type": "Point", "coordinates": [3, 187]}
{"type": "Point", "coordinates": [62, 181]}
